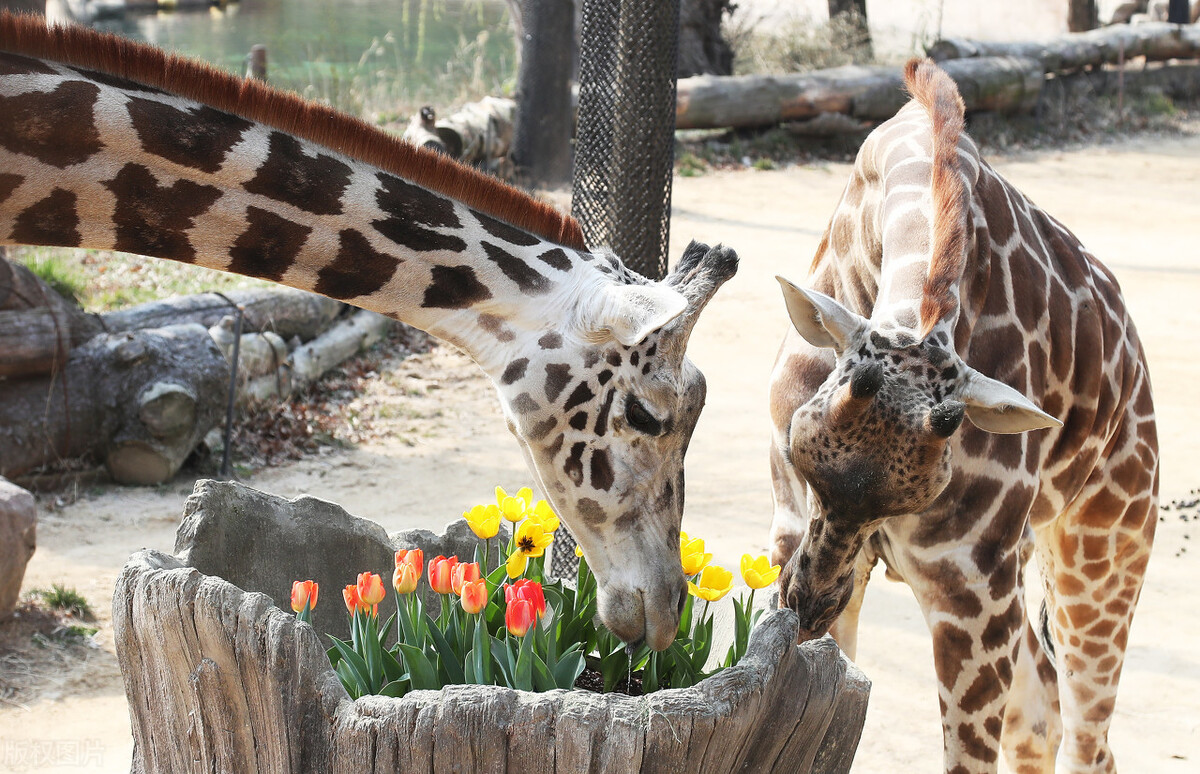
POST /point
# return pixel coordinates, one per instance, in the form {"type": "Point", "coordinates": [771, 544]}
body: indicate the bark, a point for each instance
{"type": "Point", "coordinates": [479, 133]}
{"type": "Point", "coordinates": [1082, 15]}
{"type": "Point", "coordinates": [38, 327]}
{"type": "Point", "coordinates": [1156, 42]}
{"type": "Point", "coordinates": [855, 12]}
{"type": "Point", "coordinates": [702, 49]}
{"type": "Point", "coordinates": [218, 679]}
{"type": "Point", "coordinates": [542, 133]}
{"type": "Point", "coordinates": [1006, 84]}
{"type": "Point", "coordinates": [140, 401]}
{"type": "Point", "coordinates": [285, 311]}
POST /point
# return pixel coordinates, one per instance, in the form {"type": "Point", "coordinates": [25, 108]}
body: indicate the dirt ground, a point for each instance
{"type": "Point", "coordinates": [1136, 203]}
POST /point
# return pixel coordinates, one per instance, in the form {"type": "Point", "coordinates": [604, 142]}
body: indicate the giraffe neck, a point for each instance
{"type": "Point", "coordinates": [95, 161]}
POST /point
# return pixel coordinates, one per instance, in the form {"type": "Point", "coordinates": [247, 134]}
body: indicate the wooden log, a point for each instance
{"type": "Point", "coordinates": [285, 311]}
{"type": "Point", "coordinates": [478, 133]}
{"type": "Point", "coordinates": [341, 342]}
{"type": "Point", "coordinates": [1006, 84]}
{"type": "Point", "coordinates": [140, 401]}
{"type": "Point", "coordinates": [38, 327]}
{"type": "Point", "coordinates": [1157, 41]}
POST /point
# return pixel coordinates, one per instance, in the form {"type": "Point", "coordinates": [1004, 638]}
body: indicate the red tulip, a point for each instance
{"type": "Point", "coordinates": [440, 574]}
{"type": "Point", "coordinates": [304, 593]}
{"type": "Point", "coordinates": [519, 615]}
{"type": "Point", "coordinates": [415, 558]}
{"type": "Point", "coordinates": [528, 590]}
{"type": "Point", "coordinates": [462, 573]}
{"type": "Point", "coordinates": [474, 595]}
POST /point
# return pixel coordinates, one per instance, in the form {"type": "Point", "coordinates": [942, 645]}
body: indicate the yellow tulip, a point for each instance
{"type": "Point", "coordinates": [578, 551]}
{"type": "Point", "coordinates": [484, 521]}
{"type": "Point", "coordinates": [758, 572]}
{"type": "Point", "coordinates": [542, 512]}
{"type": "Point", "coordinates": [715, 583]}
{"type": "Point", "coordinates": [514, 508]}
{"type": "Point", "coordinates": [531, 541]}
{"type": "Point", "coordinates": [691, 553]}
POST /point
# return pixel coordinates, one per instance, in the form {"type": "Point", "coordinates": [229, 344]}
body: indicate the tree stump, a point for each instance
{"type": "Point", "coordinates": [219, 679]}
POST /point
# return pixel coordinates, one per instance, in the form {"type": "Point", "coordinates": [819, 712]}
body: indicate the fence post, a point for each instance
{"type": "Point", "coordinates": [256, 62]}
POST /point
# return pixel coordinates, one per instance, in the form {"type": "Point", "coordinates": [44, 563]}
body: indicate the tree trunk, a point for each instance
{"type": "Point", "coordinates": [1155, 42]}
{"type": "Point", "coordinates": [542, 134]}
{"type": "Point", "coordinates": [139, 400]}
{"type": "Point", "coordinates": [702, 49]}
{"type": "Point", "coordinates": [855, 12]}
{"type": "Point", "coordinates": [1005, 84]}
{"type": "Point", "coordinates": [1082, 15]}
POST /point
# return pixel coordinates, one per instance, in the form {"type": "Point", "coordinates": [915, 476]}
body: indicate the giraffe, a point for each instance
{"type": "Point", "coordinates": [935, 271]}
{"type": "Point", "coordinates": [105, 143]}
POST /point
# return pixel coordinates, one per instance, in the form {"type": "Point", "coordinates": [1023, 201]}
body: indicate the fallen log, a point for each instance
{"type": "Point", "coordinates": [1005, 84]}
{"type": "Point", "coordinates": [139, 401]}
{"type": "Point", "coordinates": [478, 133]}
{"type": "Point", "coordinates": [1157, 41]}
{"type": "Point", "coordinates": [38, 327]}
{"type": "Point", "coordinates": [285, 311]}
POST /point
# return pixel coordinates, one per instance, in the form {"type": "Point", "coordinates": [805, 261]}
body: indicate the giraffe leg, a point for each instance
{"type": "Point", "coordinates": [1032, 727]}
{"type": "Point", "coordinates": [1099, 547]}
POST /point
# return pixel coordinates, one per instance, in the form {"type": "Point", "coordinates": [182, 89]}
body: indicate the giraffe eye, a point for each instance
{"type": "Point", "coordinates": [640, 419]}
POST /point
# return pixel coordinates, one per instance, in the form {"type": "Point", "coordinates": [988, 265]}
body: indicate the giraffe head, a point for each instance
{"type": "Point", "coordinates": [872, 442]}
{"type": "Point", "coordinates": [604, 409]}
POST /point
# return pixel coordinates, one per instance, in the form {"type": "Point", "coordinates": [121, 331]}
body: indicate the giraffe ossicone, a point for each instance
{"type": "Point", "coordinates": [110, 144]}
{"type": "Point", "coordinates": [963, 388]}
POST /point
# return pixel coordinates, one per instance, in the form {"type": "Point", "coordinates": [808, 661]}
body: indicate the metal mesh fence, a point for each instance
{"type": "Point", "coordinates": [625, 144]}
{"type": "Point", "coordinates": [626, 128]}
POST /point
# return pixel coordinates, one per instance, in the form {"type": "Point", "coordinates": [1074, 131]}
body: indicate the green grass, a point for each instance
{"type": "Point", "coordinates": [64, 599]}
{"type": "Point", "coordinates": [57, 272]}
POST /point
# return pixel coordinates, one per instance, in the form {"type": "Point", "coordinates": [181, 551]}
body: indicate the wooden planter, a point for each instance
{"type": "Point", "coordinates": [221, 680]}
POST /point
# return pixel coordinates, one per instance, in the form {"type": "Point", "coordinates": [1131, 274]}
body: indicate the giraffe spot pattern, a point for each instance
{"type": "Point", "coordinates": [602, 476]}
{"type": "Point", "coordinates": [200, 138]}
{"type": "Point", "coordinates": [269, 245]}
{"type": "Point", "coordinates": [579, 420]}
{"type": "Point", "coordinates": [116, 82]}
{"type": "Point", "coordinates": [514, 371]}
{"type": "Point", "coordinates": [358, 270]}
{"type": "Point", "coordinates": [573, 467]}
{"type": "Point", "coordinates": [15, 64]}
{"type": "Point", "coordinates": [502, 230]}
{"type": "Point", "coordinates": [311, 183]}
{"type": "Point", "coordinates": [558, 375]}
{"type": "Point", "coordinates": [602, 416]}
{"type": "Point", "coordinates": [581, 394]}
{"type": "Point", "coordinates": [591, 511]}
{"type": "Point", "coordinates": [413, 213]}
{"type": "Point", "coordinates": [550, 341]}
{"type": "Point", "coordinates": [556, 258]}
{"type": "Point", "coordinates": [51, 221]}
{"type": "Point", "coordinates": [56, 128]}
{"type": "Point", "coordinates": [8, 184]}
{"type": "Point", "coordinates": [543, 428]}
{"type": "Point", "coordinates": [153, 219]}
{"type": "Point", "coordinates": [525, 404]}
{"type": "Point", "coordinates": [495, 326]}
{"type": "Point", "coordinates": [527, 278]}
{"type": "Point", "coordinates": [454, 287]}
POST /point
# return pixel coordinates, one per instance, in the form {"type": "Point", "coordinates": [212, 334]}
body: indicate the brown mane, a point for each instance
{"type": "Point", "coordinates": [254, 100]}
{"type": "Point", "coordinates": [938, 94]}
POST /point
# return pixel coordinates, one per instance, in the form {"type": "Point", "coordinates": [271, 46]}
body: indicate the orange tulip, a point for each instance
{"type": "Point", "coordinates": [304, 594]}
{"type": "Point", "coordinates": [415, 558]}
{"type": "Point", "coordinates": [404, 580]}
{"type": "Point", "coordinates": [519, 615]}
{"type": "Point", "coordinates": [528, 590]}
{"type": "Point", "coordinates": [370, 589]}
{"type": "Point", "coordinates": [462, 573]}
{"type": "Point", "coordinates": [350, 594]}
{"type": "Point", "coordinates": [474, 596]}
{"type": "Point", "coordinates": [440, 574]}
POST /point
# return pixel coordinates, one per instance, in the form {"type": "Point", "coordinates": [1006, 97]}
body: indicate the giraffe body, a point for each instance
{"type": "Point", "coordinates": [109, 144]}
{"type": "Point", "coordinates": [890, 443]}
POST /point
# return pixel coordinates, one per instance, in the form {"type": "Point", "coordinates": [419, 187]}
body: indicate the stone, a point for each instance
{"type": "Point", "coordinates": [18, 541]}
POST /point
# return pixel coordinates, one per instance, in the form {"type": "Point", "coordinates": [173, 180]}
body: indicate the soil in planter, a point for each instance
{"type": "Point", "coordinates": [592, 680]}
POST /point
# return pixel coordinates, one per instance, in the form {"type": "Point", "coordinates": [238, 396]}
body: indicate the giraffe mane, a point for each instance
{"type": "Point", "coordinates": [937, 93]}
{"type": "Point", "coordinates": [189, 78]}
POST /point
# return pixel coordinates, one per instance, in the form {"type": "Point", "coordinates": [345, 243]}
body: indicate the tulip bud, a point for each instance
{"type": "Point", "coordinates": [404, 580]}
{"type": "Point", "coordinates": [474, 596]}
{"type": "Point", "coordinates": [304, 595]}
{"type": "Point", "coordinates": [440, 572]}
{"type": "Point", "coordinates": [370, 589]}
{"type": "Point", "coordinates": [519, 615]}
{"type": "Point", "coordinates": [350, 594]}
{"type": "Point", "coordinates": [461, 573]}
{"type": "Point", "coordinates": [415, 558]}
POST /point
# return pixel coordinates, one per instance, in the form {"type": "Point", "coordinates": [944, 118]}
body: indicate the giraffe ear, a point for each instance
{"type": "Point", "coordinates": [997, 408]}
{"type": "Point", "coordinates": [822, 321]}
{"type": "Point", "coordinates": [630, 313]}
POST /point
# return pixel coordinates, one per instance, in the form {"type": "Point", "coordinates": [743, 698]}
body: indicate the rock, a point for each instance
{"type": "Point", "coordinates": [260, 542]}
{"type": "Point", "coordinates": [18, 540]}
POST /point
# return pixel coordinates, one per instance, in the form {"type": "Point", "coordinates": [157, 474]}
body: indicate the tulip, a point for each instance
{"type": "Point", "coordinates": [461, 573]}
{"type": "Point", "coordinates": [404, 580]}
{"type": "Point", "coordinates": [545, 515]}
{"type": "Point", "coordinates": [528, 590]}
{"type": "Point", "coordinates": [370, 589]}
{"type": "Point", "coordinates": [514, 508]}
{"type": "Point", "coordinates": [440, 572]}
{"type": "Point", "coordinates": [304, 595]}
{"type": "Point", "coordinates": [350, 594]}
{"type": "Point", "coordinates": [519, 615]}
{"type": "Point", "coordinates": [474, 596]}
{"type": "Point", "coordinates": [758, 571]}
{"type": "Point", "coordinates": [578, 551]}
{"type": "Point", "coordinates": [484, 521]}
{"type": "Point", "coordinates": [415, 558]}
{"type": "Point", "coordinates": [531, 541]}
{"type": "Point", "coordinates": [715, 582]}
{"type": "Point", "coordinates": [691, 553]}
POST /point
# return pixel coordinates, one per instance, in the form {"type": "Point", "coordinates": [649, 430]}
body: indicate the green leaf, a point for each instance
{"type": "Point", "coordinates": [542, 679]}
{"type": "Point", "coordinates": [355, 664]}
{"type": "Point", "coordinates": [421, 672]}
{"type": "Point", "coordinates": [568, 670]}
{"type": "Point", "coordinates": [469, 676]}
{"type": "Point", "coordinates": [681, 661]}
{"type": "Point", "coordinates": [502, 656]}
{"type": "Point", "coordinates": [392, 670]}
{"type": "Point", "coordinates": [483, 652]}
{"type": "Point", "coordinates": [650, 674]}
{"type": "Point", "coordinates": [395, 689]}
{"type": "Point", "coordinates": [386, 631]}
{"type": "Point", "coordinates": [349, 679]}
{"type": "Point", "coordinates": [451, 663]}
{"type": "Point", "coordinates": [523, 669]}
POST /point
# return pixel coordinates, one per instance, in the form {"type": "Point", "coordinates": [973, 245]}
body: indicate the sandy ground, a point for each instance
{"type": "Point", "coordinates": [1135, 203]}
